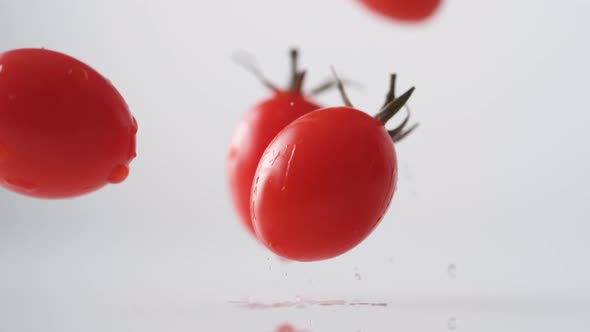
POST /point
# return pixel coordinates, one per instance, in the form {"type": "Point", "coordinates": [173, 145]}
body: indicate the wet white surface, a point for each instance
{"type": "Point", "coordinates": [398, 315]}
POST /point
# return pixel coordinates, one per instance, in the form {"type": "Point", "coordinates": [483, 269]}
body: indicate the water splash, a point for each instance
{"type": "Point", "coordinates": [452, 323]}
{"type": "Point", "coordinates": [452, 271]}
{"type": "Point", "coordinates": [301, 303]}
{"type": "Point", "coordinates": [357, 274]}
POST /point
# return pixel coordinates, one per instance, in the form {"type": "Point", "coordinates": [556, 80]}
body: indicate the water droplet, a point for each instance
{"type": "Point", "coordinates": [452, 271]}
{"type": "Point", "coordinates": [452, 323]}
{"type": "Point", "coordinates": [119, 174]}
{"type": "Point", "coordinates": [357, 274]}
{"type": "Point", "coordinates": [134, 124]}
{"type": "Point", "coordinates": [0, 69]}
{"type": "Point", "coordinates": [78, 73]}
{"type": "Point", "coordinates": [291, 104]}
{"type": "Point", "coordinates": [3, 153]}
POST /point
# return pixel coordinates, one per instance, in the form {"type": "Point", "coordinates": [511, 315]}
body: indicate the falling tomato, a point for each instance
{"type": "Point", "coordinates": [65, 130]}
{"type": "Point", "coordinates": [403, 10]}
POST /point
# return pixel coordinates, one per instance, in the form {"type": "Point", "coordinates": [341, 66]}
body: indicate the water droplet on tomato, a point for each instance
{"type": "Point", "coordinates": [1, 69]}
{"type": "Point", "coordinates": [78, 73]}
{"type": "Point", "coordinates": [119, 174]}
{"type": "Point", "coordinates": [291, 104]}
{"type": "Point", "coordinates": [3, 153]}
{"type": "Point", "coordinates": [134, 124]}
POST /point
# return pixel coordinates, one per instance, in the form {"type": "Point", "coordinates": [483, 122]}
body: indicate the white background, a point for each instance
{"type": "Point", "coordinates": [494, 181]}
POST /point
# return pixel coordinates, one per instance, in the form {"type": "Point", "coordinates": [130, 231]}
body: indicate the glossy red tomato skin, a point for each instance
{"type": "Point", "coordinates": [65, 131]}
{"type": "Point", "coordinates": [253, 134]}
{"type": "Point", "coordinates": [404, 10]}
{"type": "Point", "coordinates": [323, 184]}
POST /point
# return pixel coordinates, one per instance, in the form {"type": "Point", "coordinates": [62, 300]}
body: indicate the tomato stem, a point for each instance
{"type": "Point", "coordinates": [341, 89]}
{"type": "Point", "coordinates": [402, 134]}
{"type": "Point", "coordinates": [329, 84]}
{"type": "Point", "coordinates": [248, 62]}
{"type": "Point", "coordinates": [393, 107]}
{"type": "Point", "coordinates": [391, 93]}
{"type": "Point", "coordinates": [294, 53]}
{"type": "Point", "coordinates": [298, 82]}
{"type": "Point", "coordinates": [398, 133]}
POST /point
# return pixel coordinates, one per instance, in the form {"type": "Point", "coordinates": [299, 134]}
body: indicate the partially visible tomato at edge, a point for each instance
{"type": "Point", "coordinates": [403, 10]}
{"type": "Point", "coordinates": [65, 130]}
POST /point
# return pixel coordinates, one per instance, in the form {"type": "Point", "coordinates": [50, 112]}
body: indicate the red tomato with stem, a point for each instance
{"type": "Point", "coordinates": [257, 129]}
{"type": "Point", "coordinates": [403, 10]}
{"type": "Point", "coordinates": [64, 129]}
{"type": "Point", "coordinates": [326, 180]}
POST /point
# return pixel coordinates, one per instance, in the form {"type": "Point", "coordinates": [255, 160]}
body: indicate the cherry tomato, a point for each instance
{"type": "Point", "coordinates": [326, 180]}
{"type": "Point", "coordinates": [403, 10]}
{"type": "Point", "coordinates": [64, 129]}
{"type": "Point", "coordinates": [257, 129]}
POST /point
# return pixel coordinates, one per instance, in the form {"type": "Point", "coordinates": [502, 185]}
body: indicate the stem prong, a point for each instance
{"type": "Point", "coordinates": [248, 62]}
{"type": "Point", "coordinates": [392, 108]}
{"type": "Point", "coordinates": [341, 89]}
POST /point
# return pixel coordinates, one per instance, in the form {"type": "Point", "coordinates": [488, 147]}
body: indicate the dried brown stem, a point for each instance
{"type": "Point", "coordinates": [247, 61]}
{"type": "Point", "coordinates": [341, 89]}
{"type": "Point", "coordinates": [392, 108]}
